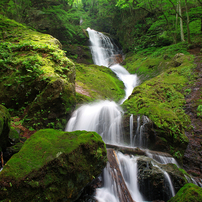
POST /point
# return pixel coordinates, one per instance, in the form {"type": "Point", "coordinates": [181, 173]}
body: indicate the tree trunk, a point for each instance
{"type": "Point", "coordinates": [181, 22]}
{"type": "Point", "coordinates": [2, 160]}
{"type": "Point", "coordinates": [188, 31]}
{"type": "Point", "coordinates": [176, 22]}
{"type": "Point", "coordinates": [135, 151]}
{"type": "Point", "coordinates": [122, 190]}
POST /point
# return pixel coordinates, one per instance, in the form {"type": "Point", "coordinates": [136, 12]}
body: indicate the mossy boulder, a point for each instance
{"type": "Point", "coordinates": [14, 136]}
{"type": "Point", "coordinates": [153, 183]}
{"type": "Point", "coordinates": [188, 193]}
{"type": "Point", "coordinates": [161, 99]}
{"type": "Point", "coordinates": [53, 166]}
{"type": "Point", "coordinates": [36, 78]}
{"type": "Point", "coordinates": [4, 127]}
{"type": "Point", "coordinates": [99, 82]}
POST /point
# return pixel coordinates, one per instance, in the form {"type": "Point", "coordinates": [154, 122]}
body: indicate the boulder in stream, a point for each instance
{"type": "Point", "coordinates": [53, 166]}
{"type": "Point", "coordinates": [153, 182]}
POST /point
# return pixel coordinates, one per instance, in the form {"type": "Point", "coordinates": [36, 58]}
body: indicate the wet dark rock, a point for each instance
{"type": "Point", "coordinates": [152, 183]}
{"type": "Point", "coordinates": [148, 134]}
{"type": "Point", "coordinates": [4, 127]}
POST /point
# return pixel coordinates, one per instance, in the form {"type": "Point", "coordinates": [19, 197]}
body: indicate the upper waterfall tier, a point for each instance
{"type": "Point", "coordinates": [107, 54]}
{"type": "Point", "coordinates": [102, 48]}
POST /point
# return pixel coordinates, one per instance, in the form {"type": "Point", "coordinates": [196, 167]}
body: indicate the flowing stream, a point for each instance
{"type": "Point", "coordinates": [105, 118]}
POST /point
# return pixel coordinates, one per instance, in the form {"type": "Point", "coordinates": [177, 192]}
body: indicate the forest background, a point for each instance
{"type": "Point", "coordinates": [135, 24]}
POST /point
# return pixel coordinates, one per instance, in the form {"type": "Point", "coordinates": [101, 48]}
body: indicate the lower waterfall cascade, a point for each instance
{"type": "Point", "coordinates": [105, 118]}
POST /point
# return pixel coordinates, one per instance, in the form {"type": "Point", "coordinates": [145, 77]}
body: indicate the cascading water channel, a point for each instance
{"type": "Point", "coordinates": [128, 167]}
{"type": "Point", "coordinates": [162, 159]}
{"type": "Point", "coordinates": [167, 178]}
{"type": "Point", "coordinates": [105, 118]}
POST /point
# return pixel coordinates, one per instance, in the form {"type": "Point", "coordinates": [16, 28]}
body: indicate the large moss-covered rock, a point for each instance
{"type": "Point", "coordinates": [161, 99]}
{"type": "Point", "coordinates": [52, 166]}
{"type": "Point", "coordinates": [4, 127]}
{"type": "Point", "coordinates": [98, 82]}
{"type": "Point", "coordinates": [188, 193]}
{"type": "Point", "coordinates": [36, 78]}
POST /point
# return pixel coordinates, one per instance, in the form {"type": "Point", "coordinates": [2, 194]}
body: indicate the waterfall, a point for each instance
{"type": "Point", "coordinates": [131, 130]}
{"type": "Point", "coordinates": [162, 159]}
{"type": "Point", "coordinates": [109, 191]}
{"type": "Point", "coordinates": [103, 50]}
{"type": "Point", "coordinates": [101, 47]}
{"type": "Point", "coordinates": [105, 118]}
{"type": "Point", "coordinates": [128, 167]}
{"type": "Point", "coordinates": [167, 178]}
{"type": "Point", "coordinates": [140, 139]}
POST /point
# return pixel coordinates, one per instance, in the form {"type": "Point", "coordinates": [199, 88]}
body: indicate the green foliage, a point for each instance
{"type": "Point", "coordinates": [32, 66]}
{"type": "Point", "coordinates": [199, 111]}
{"type": "Point", "coordinates": [150, 62]}
{"type": "Point", "coordinates": [162, 98]}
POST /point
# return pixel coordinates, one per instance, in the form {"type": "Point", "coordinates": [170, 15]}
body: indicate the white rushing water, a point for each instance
{"type": "Point", "coordinates": [131, 130]}
{"type": "Point", "coordinates": [167, 178]}
{"type": "Point", "coordinates": [109, 191]}
{"type": "Point", "coordinates": [140, 140]}
{"type": "Point", "coordinates": [128, 167]}
{"type": "Point", "coordinates": [103, 50]}
{"type": "Point", "coordinates": [105, 118]}
{"type": "Point", "coordinates": [162, 159]}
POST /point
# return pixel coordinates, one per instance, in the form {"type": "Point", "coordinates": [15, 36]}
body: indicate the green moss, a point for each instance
{"type": "Point", "coordinates": [100, 82]}
{"type": "Point", "coordinates": [53, 164]}
{"type": "Point", "coordinates": [13, 134]}
{"type": "Point", "coordinates": [199, 111]}
{"type": "Point", "coordinates": [150, 62]}
{"type": "Point", "coordinates": [47, 144]}
{"type": "Point", "coordinates": [189, 192]}
{"type": "Point", "coordinates": [162, 100]}
{"type": "Point", "coordinates": [32, 64]}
